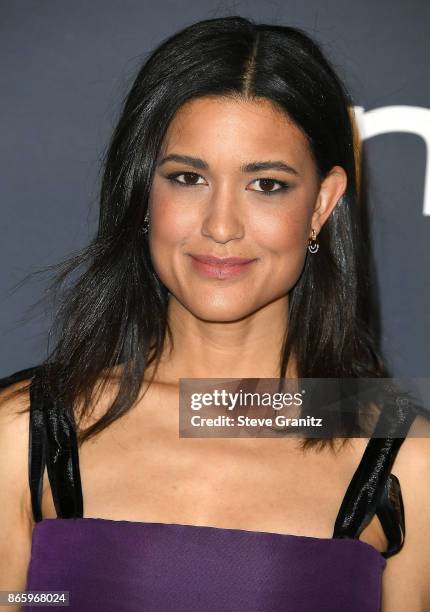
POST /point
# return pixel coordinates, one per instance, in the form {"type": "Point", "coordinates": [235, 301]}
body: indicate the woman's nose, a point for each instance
{"type": "Point", "coordinates": [223, 217]}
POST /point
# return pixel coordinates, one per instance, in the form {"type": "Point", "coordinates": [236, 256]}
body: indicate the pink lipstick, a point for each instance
{"type": "Point", "coordinates": [220, 267]}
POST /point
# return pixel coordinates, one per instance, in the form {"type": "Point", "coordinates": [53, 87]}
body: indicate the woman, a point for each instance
{"type": "Point", "coordinates": [235, 141]}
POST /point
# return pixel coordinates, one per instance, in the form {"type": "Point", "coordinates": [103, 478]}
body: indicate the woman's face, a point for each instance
{"type": "Point", "coordinates": [210, 196]}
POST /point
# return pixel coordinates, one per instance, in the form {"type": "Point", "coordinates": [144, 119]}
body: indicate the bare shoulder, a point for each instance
{"type": "Point", "coordinates": [413, 458]}
{"type": "Point", "coordinates": [14, 423]}
{"type": "Point", "coordinates": [14, 417]}
{"type": "Point", "coordinates": [15, 516]}
{"type": "Point", "coordinates": [406, 577]}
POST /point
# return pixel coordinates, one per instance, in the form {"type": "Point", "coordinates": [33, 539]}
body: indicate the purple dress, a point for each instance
{"type": "Point", "coordinates": [124, 566]}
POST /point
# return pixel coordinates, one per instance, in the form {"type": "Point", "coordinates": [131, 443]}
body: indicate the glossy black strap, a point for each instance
{"type": "Point", "coordinates": [60, 448]}
{"type": "Point", "coordinates": [52, 444]}
{"type": "Point", "coordinates": [391, 514]}
{"type": "Point", "coordinates": [373, 489]}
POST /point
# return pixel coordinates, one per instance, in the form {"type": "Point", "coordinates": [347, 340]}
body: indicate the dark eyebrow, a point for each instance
{"type": "Point", "coordinates": [269, 165]}
{"type": "Point", "coordinates": [200, 164]}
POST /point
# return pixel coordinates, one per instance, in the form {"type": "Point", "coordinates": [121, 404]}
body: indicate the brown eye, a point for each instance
{"type": "Point", "coordinates": [191, 178]}
{"type": "Point", "coordinates": [268, 184]}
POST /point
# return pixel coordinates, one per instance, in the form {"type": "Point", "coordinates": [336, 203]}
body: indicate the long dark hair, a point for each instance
{"type": "Point", "coordinates": [115, 313]}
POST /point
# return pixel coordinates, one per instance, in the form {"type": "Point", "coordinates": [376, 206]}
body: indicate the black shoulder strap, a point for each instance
{"type": "Point", "coordinates": [53, 442]}
{"type": "Point", "coordinates": [373, 489]}
{"type": "Point", "coordinates": [391, 514]}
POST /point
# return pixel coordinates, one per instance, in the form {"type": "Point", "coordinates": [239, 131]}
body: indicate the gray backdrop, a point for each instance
{"type": "Point", "coordinates": [65, 67]}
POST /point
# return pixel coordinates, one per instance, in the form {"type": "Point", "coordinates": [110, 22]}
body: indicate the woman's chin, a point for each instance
{"type": "Point", "coordinates": [224, 312]}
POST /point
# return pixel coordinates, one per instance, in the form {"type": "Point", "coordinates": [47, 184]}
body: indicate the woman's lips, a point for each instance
{"type": "Point", "coordinates": [213, 267]}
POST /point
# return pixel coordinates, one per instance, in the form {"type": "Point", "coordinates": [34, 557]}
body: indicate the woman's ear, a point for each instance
{"type": "Point", "coordinates": [332, 189]}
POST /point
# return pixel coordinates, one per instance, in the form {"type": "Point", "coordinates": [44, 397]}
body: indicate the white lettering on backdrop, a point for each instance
{"type": "Point", "coordinates": [410, 119]}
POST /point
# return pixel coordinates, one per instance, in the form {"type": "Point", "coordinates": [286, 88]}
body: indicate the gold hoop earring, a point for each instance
{"type": "Point", "coordinates": [313, 244]}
